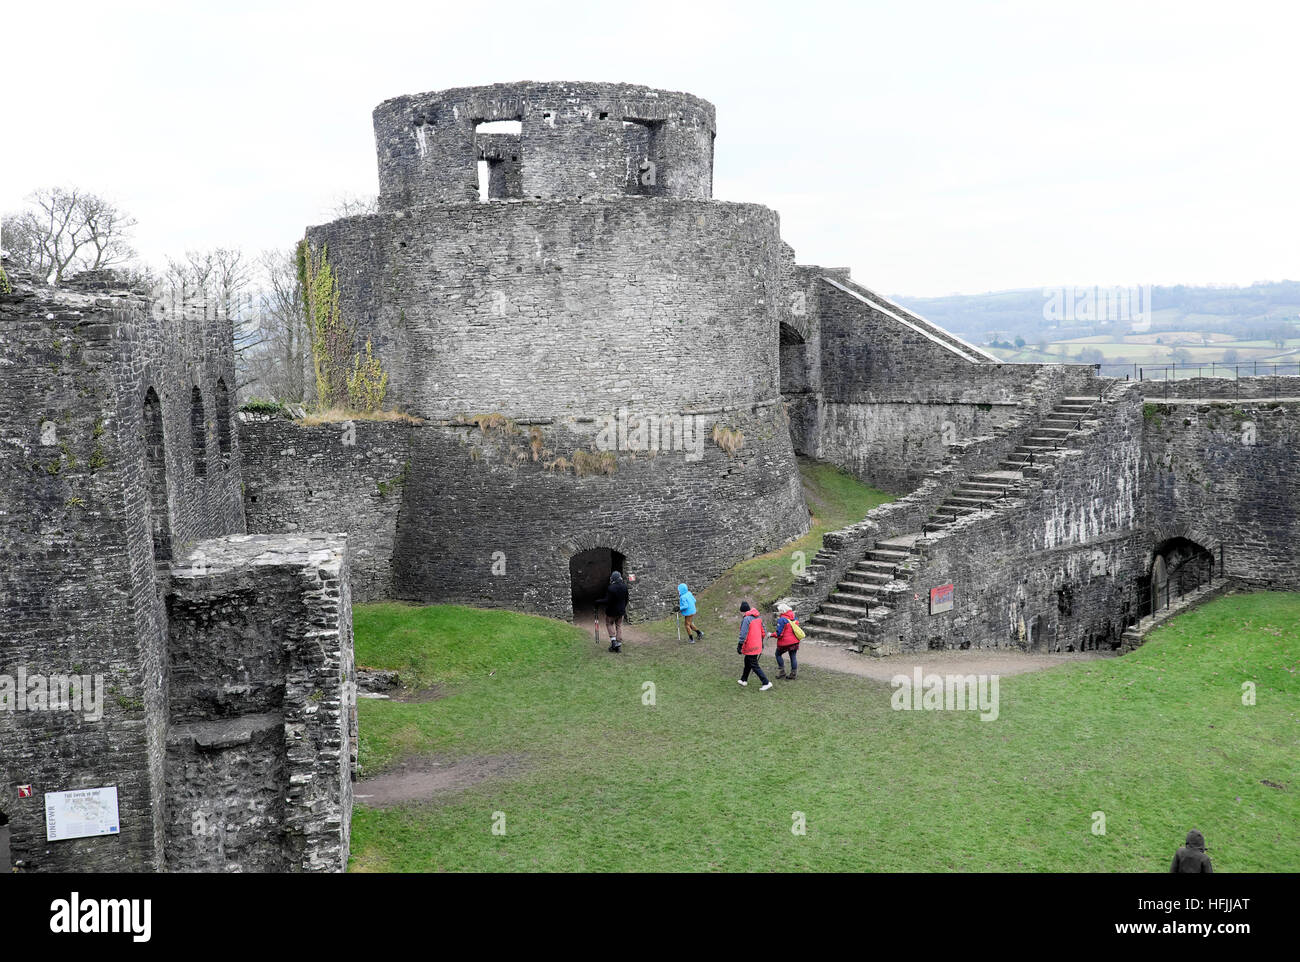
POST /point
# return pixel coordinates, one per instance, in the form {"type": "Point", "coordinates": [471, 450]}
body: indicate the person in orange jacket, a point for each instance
{"type": "Point", "coordinates": [786, 642]}
{"type": "Point", "coordinates": [751, 644]}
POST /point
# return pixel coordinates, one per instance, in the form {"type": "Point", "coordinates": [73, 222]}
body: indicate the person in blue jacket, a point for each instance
{"type": "Point", "coordinates": [686, 604]}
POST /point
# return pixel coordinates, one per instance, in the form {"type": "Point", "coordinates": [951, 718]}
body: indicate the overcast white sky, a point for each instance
{"type": "Point", "coordinates": [931, 147]}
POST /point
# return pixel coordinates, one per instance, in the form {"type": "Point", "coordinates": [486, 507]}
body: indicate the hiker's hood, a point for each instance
{"type": "Point", "coordinates": [681, 589]}
{"type": "Point", "coordinates": [1196, 840]}
{"type": "Point", "coordinates": [615, 579]}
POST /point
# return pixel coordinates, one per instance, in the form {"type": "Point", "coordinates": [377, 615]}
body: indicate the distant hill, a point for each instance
{"type": "Point", "coordinates": [1262, 312]}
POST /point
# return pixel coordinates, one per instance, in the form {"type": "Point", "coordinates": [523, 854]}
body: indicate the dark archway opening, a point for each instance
{"type": "Point", "coordinates": [589, 573]}
{"type": "Point", "coordinates": [155, 458]}
{"type": "Point", "coordinates": [795, 374]}
{"type": "Point", "coordinates": [224, 442]}
{"type": "Point", "coordinates": [1178, 567]}
{"type": "Point", "coordinates": [6, 862]}
{"type": "Point", "coordinates": [198, 433]}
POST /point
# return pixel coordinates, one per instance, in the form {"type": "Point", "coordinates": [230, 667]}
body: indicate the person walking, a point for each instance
{"type": "Point", "coordinates": [615, 605]}
{"type": "Point", "coordinates": [686, 605]}
{"type": "Point", "coordinates": [787, 641]}
{"type": "Point", "coordinates": [1191, 857]}
{"type": "Point", "coordinates": [751, 644]}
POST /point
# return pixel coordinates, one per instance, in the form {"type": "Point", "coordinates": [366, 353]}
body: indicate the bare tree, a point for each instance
{"type": "Point", "coordinates": [63, 231]}
{"type": "Point", "coordinates": [352, 205]}
{"type": "Point", "coordinates": [278, 369]}
{"type": "Point", "coordinates": [214, 285]}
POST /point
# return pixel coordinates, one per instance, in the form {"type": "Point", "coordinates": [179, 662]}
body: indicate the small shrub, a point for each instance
{"type": "Point", "coordinates": [587, 463]}
{"type": "Point", "coordinates": [257, 405]}
{"type": "Point", "coordinates": [728, 439]}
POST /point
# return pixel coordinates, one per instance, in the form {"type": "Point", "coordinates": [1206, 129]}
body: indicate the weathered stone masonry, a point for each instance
{"type": "Point", "coordinates": [118, 455]}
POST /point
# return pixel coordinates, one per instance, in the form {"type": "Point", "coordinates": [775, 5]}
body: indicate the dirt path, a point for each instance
{"type": "Point", "coordinates": [977, 662]}
{"type": "Point", "coordinates": [422, 779]}
{"type": "Point", "coordinates": [630, 633]}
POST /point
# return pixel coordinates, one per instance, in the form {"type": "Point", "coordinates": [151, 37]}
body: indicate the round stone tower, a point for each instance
{"type": "Point", "coordinates": [548, 258]}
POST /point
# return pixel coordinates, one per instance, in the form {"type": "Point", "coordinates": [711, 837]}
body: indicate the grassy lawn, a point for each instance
{"type": "Point", "coordinates": [707, 778]}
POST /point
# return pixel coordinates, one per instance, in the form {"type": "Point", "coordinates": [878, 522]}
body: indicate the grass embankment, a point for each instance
{"type": "Point", "coordinates": [709, 776]}
{"type": "Point", "coordinates": [834, 499]}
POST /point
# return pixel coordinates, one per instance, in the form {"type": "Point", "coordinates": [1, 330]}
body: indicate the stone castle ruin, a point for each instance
{"type": "Point", "coordinates": [603, 368]}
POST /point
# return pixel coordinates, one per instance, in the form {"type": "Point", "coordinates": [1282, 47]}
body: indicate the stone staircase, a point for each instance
{"type": "Point", "coordinates": [1051, 435]}
{"type": "Point", "coordinates": [884, 572]}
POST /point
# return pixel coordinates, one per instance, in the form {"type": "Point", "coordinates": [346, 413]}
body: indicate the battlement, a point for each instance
{"type": "Point", "coordinates": [543, 141]}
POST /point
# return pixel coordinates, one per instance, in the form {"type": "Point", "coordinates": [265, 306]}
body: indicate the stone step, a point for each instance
{"type": "Point", "coordinates": [887, 554]}
{"type": "Point", "coordinates": [956, 510]}
{"type": "Point", "coordinates": [835, 621]}
{"type": "Point", "coordinates": [998, 477]}
{"type": "Point", "coordinates": [966, 500]}
{"type": "Point", "coordinates": [833, 635]}
{"type": "Point", "coordinates": [884, 567]}
{"type": "Point", "coordinates": [856, 612]}
{"type": "Point", "coordinates": [861, 588]}
{"type": "Point", "coordinates": [1022, 466]}
{"type": "Point", "coordinates": [1079, 400]}
{"type": "Point", "coordinates": [989, 486]}
{"type": "Point", "coordinates": [871, 577]}
{"type": "Point", "coordinates": [864, 597]}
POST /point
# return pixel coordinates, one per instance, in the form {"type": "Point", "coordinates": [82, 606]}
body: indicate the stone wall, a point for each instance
{"type": "Point", "coordinates": [348, 476]}
{"type": "Point", "coordinates": [1223, 388]}
{"type": "Point", "coordinates": [575, 141]}
{"type": "Point", "coordinates": [538, 310]}
{"type": "Point", "coordinates": [261, 745]}
{"type": "Point", "coordinates": [1225, 472]}
{"type": "Point", "coordinates": [118, 454]}
{"type": "Point", "coordinates": [1055, 568]}
{"type": "Point", "coordinates": [78, 582]}
{"type": "Point", "coordinates": [883, 393]}
{"type": "Point", "coordinates": [967, 456]}
{"type": "Point", "coordinates": [478, 519]}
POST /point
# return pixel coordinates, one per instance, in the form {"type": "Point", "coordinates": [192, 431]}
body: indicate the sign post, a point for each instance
{"type": "Point", "coordinates": [941, 599]}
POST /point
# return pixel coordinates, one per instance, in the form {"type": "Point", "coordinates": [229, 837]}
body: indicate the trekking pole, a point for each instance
{"type": "Point", "coordinates": [595, 625]}
{"type": "Point", "coordinates": [678, 619]}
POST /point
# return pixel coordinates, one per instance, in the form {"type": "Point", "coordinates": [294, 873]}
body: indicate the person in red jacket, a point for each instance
{"type": "Point", "coordinates": [786, 641]}
{"type": "Point", "coordinates": [751, 644]}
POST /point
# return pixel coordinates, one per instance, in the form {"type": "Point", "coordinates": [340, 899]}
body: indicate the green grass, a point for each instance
{"type": "Point", "coordinates": [709, 776]}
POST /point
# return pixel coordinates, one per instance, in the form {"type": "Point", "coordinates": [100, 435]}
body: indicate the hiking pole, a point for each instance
{"type": "Point", "coordinates": [678, 619]}
{"type": "Point", "coordinates": [595, 625]}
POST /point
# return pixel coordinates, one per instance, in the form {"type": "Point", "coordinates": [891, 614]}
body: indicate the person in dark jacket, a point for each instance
{"type": "Point", "coordinates": [751, 644]}
{"type": "Point", "coordinates": [1191, 857]}
{"type": "Point", "coordinates": [615, 605]}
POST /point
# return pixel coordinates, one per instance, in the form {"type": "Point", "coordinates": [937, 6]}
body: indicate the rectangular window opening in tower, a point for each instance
{"type": "Point", "coordinates": [497, 145]}
{"type": "Point", "coordinates": [642, 143]}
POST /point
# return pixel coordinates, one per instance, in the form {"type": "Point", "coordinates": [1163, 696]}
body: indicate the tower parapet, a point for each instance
{"type": "Point", "coordinates": [543, 141]}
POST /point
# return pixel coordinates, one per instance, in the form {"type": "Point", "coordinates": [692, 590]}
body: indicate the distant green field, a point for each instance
{"type": "Point", "coordinates": [1262, 352]}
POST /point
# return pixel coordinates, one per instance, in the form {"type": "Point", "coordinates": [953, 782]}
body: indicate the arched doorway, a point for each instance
{"type": "Point", "coordinates": [589, 573]}
{"type": "Point", "coordinates": [1178, 567]}
{"type": "Point", "coordinates": [155, 459]}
